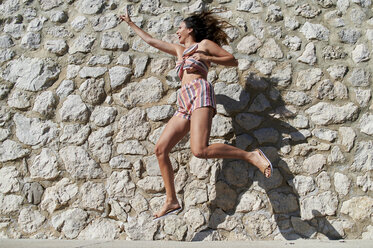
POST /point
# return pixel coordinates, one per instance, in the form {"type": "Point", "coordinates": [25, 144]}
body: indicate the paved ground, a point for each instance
{"type": "Point", "coordinates": [27, 243]}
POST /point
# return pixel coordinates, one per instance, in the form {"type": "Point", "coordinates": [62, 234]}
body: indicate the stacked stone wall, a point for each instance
{"type": "Point", "coordinates": [84, 100]}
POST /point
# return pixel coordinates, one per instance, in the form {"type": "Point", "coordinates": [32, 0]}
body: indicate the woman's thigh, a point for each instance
{"type": "Point", "coordinates": [200, 127]}
{"type": "Point", "coordinates": [174, 131]}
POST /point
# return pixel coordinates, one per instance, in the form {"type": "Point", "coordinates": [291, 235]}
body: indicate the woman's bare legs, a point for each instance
{"type": "Point", "coordinates": [199, 137]}
{"type": "Point", "coordinates": [175, 130]}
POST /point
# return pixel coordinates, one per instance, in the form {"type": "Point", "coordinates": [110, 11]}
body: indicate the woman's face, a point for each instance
{"type": "Point", "coordinates": [183, 32]}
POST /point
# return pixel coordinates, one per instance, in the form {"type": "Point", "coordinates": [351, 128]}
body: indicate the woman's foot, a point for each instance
{"type": "Point", "coordinates": [259, 160]}
{"type": "Point", "coordinates": [167, 208]}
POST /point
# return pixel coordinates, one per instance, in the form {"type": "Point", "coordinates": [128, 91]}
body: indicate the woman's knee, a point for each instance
{"type": "Point", "coordinates": [199, 152]}
{"type": "Point", "coordinates": [160, 150]}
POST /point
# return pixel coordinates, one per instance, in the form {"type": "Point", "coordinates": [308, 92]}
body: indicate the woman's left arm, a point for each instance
{"type": "Point", "coordinates": [216, 54]}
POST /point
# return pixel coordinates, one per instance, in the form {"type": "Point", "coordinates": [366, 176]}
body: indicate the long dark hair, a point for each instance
{"type": "Point", "coordinates": [207, 26]}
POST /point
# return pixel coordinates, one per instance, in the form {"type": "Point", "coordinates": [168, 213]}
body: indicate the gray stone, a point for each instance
{"type": "Point", "coordinates": [303, 228]}
{"type": "Point", "coordinates": [336, 155]}
{"type": "Point", "coordinates": [119, 185]}
{"type": "Point", "coordinates": [309, 54]}
{"type": "Point", "coordinates": [61, 32]}
{"type": "Point", "coordinates": [221, 126]}
{"type": "Point", "coordinates": [252, 6]}
{"type": "Point", "coordinates": [342, 183]}
{"type": "Point", "coordinates": [314, 31]}
{"type": "Point", "coordinates": [148, 90]}
{"type": "Point", "coordinates": [124, 59]}
{"type": "Point", "coordinates": [274, 13]}
{"type": "Point", "coordinates": [141, 46]}
{"type": "Point", "coordinates": [266, 135]}
{"type": "Point", "coordinates": [120, 162]}
{"type": "Point", "coordinates": [6, 55]}
{"type": "Point", "coordinates": [366, 124]}
{"type": "Point", "coordinates": [133, 125]}
{"type": "Point", "coordinates": [271, 50]}
{"type": "Point", "coordinates": [248, 121]}
{"type": "Point", "coordinates": [75, 134]}
{"type": "Point", "coordinates": [365, 182]}
{"type": "Point", "coordinates": [249, 45]}
{"type": "Point", "coordinates": [307, 11]}
{"type": "Point", "coordinates": [96, 60]}
{"type": "Point", "coordinates": [103, 116]}
{"type": "Point", "coordinates": [50, 4]}
{"type": "Point", "coordinates": [9, 182]}
{"type": "Point", "coordinates": [176, 228]}
{"type": "Point", "coordinates": [14, 29]}
{"type": "Point", "coordinates": [228, 75]}
{"type": "Point", "coordinates": [303, 185]}
{"type": "Point", "coordinates": [194, 219]}
{"type": "Point", "coordinates": [101, 23]}
{"type": "Point", "coordinates": [58, 47]}
{"type": "Point", "coordinates": [45, 165]}
{"type": "Point", "coordinates": [291, 23]}
{"type": "Point", "coordinates": [346, 137]}
{"type": "Point", "coordinates": [307, 78]}
{"type": "Point", "coordinates": [259, 104]}
{"type": "Point", "coordinates": [323, 181]}
{"type": "Point", "coordinates": [33, 192]}
{"type": "Point", "coordinates": [83, 44]}
{"type": "Point", "coordinates": [236, 173]}
{"type": "Point", "coordinates": [112, 40]}
{"type": "Point", "coordinates": [249, 201]}
{"type": "Point", "coordinates": [363, 160]}
{"type": "Point", "coordinates": [92, 72]}
{"type": "Point", "coordinates": [298, 98]}
{"type": "Point", "coordinates": [93, 91]}
{"type": "Point", "coordinates": [140, 65]}
{"type": "Point", "coordinates": [74, 109]}
{"type": "Point", "coordinates": [292, 42]}
{"type": "Point", "coordinates": [151, 184]}
{"type": "Point", "coordinates": [368, 234]}
{"type": "Point", "coordinates": [282, 74]}
{"type": "Point", "coordinates": [70, 222]}
{"type": "Point", "coordinates": [90, 7]}
{"type": "Point", "coordinates": [337, 71]}
{"type": "Point", "coordinates": [362, 97]}
{"type": "Point", "coordinates": [6, 41]}
{"type": "Point", "coordinates": [319, 205]}
{"type": "Point", "coordinates": [359, 77]}
{"type": "Point", "coordinates": [314, 163]}
{"type": "Point", "coordinates": [158, 113]}
{"type": "Point", "coordinates": [140, 228]}
{"type": "Point", "coordinates": [200, 167]}
{"type": "Point", "coordinates": [58, 16]}
{"type": "Point", "coordinates": [259, 225]}
{"type": "Point", "coordinates": [257, 27]}
{"type": "Point", "coordinates": [343, 5]}
{"type": "Point", "coordinates": [340, 91]}
{"type": "Point", "coordinates": [100, 144]}
{"type": "Point", "coordinates": [195, 193]}
{"type": "Point", "coordinates": [139, 203]}
{"type": "Point", "coordinates": [300, 135]}
{"type": "Point", "coordinates": [101, 229]}
{"type": "Point", "coordinates": [19, 99]}
{"type": "Point", "coordinates": [92, 196]}
{"type": "Point", "coordinates": [160, 24]}
{"type": "Point", "coordinates": [131, 147]}
{"type": "Point", "coordinates": [11, 150]}
{"type": "Point", "coordinates": [10, 204]}
{"type": "Point", "coordinates": [300, 121]}
{"type": "Point", "coordinates": [325, 134]}
{"type": "Point", "coordinates": [265, 66]}
{"type": "Point", "coordinates": [31, 41]}
{"type": "Point", "coordinates": [79, 23]}
{"type": "Point", "coordinates": [30, 220]}
{"type": "Point", "coordinates": [358, 208]}
{"type": "Point", "coordinates": [32, 131]}
{"type": "Point", "coordinates": [58, 195]}
{"type": "Point", "coordinates": [79, 164]}
{"type": "Point", "coordinates": [349, 36]}
{"type": "Point", "coordinates": [4, 134]}
{"type": "Point", "coordinates": [72, 71]}
{"type": "Point", "coordinates": [326, 114]}
{"type": "Point", "coordinates": [119, 76]}
{"type": "Point", "coordinates": [45, 103]}
{"type": "Point", "coordinates": [360, 53]}
{"type": "Point", "coordinates": [32, 74]}
{"type": "Point", "coordinates": [230, 98]}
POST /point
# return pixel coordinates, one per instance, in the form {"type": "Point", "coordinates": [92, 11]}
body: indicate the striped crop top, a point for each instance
{"type": "Point", "coordinates": [190, 63]}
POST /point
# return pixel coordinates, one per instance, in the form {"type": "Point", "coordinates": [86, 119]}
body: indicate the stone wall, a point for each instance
{"type": "Point", "coordinates": [83, 101]}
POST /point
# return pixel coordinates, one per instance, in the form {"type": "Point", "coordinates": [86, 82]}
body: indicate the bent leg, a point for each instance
{"type": "Point", "coordinates": [175, 130]}
{"type": "Point", "coordinates": [200, 128]}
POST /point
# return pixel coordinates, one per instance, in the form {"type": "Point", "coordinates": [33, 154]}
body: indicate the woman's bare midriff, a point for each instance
{"type": "Point", "coordinates": [189, 77]}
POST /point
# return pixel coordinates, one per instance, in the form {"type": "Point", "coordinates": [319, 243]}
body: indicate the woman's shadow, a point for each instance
{"type": "Point", "coordinates": [246, 205]}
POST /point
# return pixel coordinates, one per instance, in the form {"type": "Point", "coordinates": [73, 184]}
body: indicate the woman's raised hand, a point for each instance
{"type": "Point", "coordinates": [126, 16]}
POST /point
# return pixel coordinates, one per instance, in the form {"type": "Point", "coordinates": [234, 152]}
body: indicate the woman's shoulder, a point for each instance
{"type": "Point", "coordinates": [206, 43]}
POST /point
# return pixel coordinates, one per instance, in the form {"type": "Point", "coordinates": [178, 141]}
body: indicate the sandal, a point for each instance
{"type": "Point", "coordinates": [261, 153]}
{"type": "Point", "coordinates": [171, 211]}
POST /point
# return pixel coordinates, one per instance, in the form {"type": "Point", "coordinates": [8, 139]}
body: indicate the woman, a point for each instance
{"type": "Point", "coordinates": [200, 37]}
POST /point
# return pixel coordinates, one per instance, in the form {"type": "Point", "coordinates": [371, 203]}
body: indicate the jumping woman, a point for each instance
{"type": "Point", "coordinates": [201, 37]}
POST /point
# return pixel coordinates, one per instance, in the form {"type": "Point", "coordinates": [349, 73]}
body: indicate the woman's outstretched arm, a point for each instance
{"type": "Point", "coordinates": [159, 44]}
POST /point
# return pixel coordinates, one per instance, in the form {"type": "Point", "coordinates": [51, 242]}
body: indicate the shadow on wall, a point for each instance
{"type": "Point", "coordinates": [246, 205]}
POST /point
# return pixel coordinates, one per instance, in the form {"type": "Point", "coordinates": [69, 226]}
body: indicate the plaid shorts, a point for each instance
{"type": "Point", "coordinates": [196, 94]}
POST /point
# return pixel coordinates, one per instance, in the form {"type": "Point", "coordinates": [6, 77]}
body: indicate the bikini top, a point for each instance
{"type": "Point", "coordinates": [190, 63]}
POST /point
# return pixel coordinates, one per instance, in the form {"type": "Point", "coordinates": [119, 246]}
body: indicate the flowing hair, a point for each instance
{"type": "Point", "coordinates": [207, 26]}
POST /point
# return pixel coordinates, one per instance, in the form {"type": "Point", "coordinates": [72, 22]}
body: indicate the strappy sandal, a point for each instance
{"type": "Point", "coordinates": [261, 153]}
